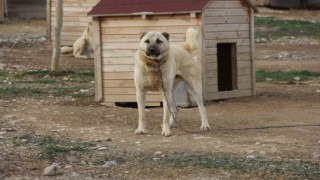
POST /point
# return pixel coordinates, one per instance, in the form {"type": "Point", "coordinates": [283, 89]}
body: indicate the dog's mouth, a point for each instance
{"type": "Point", "coordinates": [153, 52]}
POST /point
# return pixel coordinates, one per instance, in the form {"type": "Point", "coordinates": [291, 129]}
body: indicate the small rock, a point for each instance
{"type": "Point", "coordinates": [158, 153]}
{"type": "Point", "coordinates": [74, 174]}
{"type": "Point", "coordinates": [65, 79]}
{"type": "Point", "coordinates": [68, 167]}
{"type": "Point", "coordinates": [156, 159]}
{"type": "Point", "coordinates": [73, 159]}
{"type": "Point", "coordinates": [297, 78]}
{"type": "Point", "coordinates": [269, 79]}
{"type": "Point", "coordinates": [251, 157]}
{"type": "Point", "coordinates": [318, 91]}
{"type": "Point", "coordinates": [102, 149]}
{"type": "Point", "coordinates": [109, 164]}
{"type": "Point", "coordinates": [83, 162]}
{"type": "Point", "coordinates": [24, 140]}
{"type": "Point", "coordinates": [51, 170]}
{"type": "Point", "coordinates": [109, 139]}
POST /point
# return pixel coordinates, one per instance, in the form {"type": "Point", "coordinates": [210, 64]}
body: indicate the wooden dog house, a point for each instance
{"type": "Point", "coordinates": [226, 44]}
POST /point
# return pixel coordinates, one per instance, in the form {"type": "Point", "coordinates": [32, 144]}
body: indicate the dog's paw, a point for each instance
{"type": "Point", "coordinates": [140, 132]}
{"type": "Point", "coordinates": [166, 133]}
{"type": "Point", "coordinates": [205, 128]}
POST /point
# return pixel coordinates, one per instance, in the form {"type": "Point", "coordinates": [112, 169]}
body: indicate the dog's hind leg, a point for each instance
{"type": "Point", "coordinates": [195, 87]}
{"type": "Point", "coordinates": [141, 99]}
{"type": "Point", "coordinates": [177, 81]}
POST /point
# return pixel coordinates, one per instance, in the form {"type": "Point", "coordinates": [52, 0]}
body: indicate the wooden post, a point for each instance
{"type": "Point", "coordinates": [252, 52]}
{"type": "Point", "coordinates": [97, 60]}
{"type": "Point", "coordinates": [49, 4]}
{"type": "Point", "coordinates": [1, 10]}
{"type": "Point", "coordinates": [55, 62]}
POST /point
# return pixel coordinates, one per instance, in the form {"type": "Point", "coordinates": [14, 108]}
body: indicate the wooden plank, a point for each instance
{"type": "Point", "coordinates": [243, 49]}
{"type": "Point", "coordinates": [227, 35]}
{"type": "Point", "coordinates": [244, 64]}
{"type": "Point", "coordinates": [118, 68]}
{"type": "Point", "coordinates": [124, 83]}
{"type": "Point", "coordinates": [244, 71]}
{"type": "Point", "coordinates": [135, 38]}
{"type": "Point", "coordinates": [210, 51]}
{"type": "Point", "coordinates": [119, 53]}
{"type": "Point", "coordinates": [229, 94]}
{"type": "Point", "coordinates": [244, 56]}
{"type": "Point", "coordinates": [139, 30]}
{"type": "Point", "coordinates": [227, 20]}
{"type": "Point", "coordinates": [211, 66]}
{"type": "Point", "coordinates": [212, 73]}
{"type": "Point", "coordinates": [226, 5]}
{"type": "Point", "coordinates": [149, 22]}
{"type": "Point", "coordinates": [1, 11]}
{"type": "Point", "coordinates": [226, 27]}
{"type": "Point", "coordinates": [244, 78]}
{"type": "Point", "coordinates": [211, 88]}
{"type": "Point", "coordinates": [125, 91]}
{"type": "Point", "coordinates": [211, 59]}
{"type": "Point", "coordinates": [131, 98]}
{"type": "Point", "coordinates": [97, 61]}
{"type": "Point", "coordinates": [212, 81]}
{"type": "Point", "coordinates": [226, 12]}
{"type": "Point", "coordinates": [118, 75]}
{"type": "Point", "coordinates": [119, 61]}
{"type": "Point", "coordinates": [246, 85]}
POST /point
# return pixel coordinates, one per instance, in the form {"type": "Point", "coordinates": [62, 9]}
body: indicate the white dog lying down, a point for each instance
{"type": "Point", "coordinates": [81, 45]}
{"type": "Point", "coordinates": [177, 64]}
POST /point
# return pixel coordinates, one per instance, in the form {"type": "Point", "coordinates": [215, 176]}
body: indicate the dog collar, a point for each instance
{"type": "Point", "coordinates": [153, 62]}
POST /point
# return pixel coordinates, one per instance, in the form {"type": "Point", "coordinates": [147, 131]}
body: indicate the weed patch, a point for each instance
{"type": "Point", "coordinates": [262, 75]}
{"type": "Point", "coordinates": [292, 169]}
{"type": "Point", "coordinates": [51, 147]}
{"type": "Point", "coordinates": [272, 28]}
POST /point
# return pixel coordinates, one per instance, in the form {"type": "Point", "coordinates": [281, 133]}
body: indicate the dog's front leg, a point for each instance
{"type": "Point", "coordinates": [167, 113]}
{"type": "Point", "coordinates": [141, 99]}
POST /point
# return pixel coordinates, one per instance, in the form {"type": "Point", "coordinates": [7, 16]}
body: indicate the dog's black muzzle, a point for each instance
{"type": "Point", "coordinates": [153, 51]}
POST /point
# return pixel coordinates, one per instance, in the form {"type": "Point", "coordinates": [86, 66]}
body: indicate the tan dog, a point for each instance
{"type": "Point", "coordinates": [177, 64]}
{"type": "Point", "coordinates": [82, 45]}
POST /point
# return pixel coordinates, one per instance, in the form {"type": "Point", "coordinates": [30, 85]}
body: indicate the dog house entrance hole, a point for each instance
{"type": "Point", "coordinates": [227, 66]}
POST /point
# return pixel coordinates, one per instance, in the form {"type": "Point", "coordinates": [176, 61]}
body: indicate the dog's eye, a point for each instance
{"type": "Point", "coordinates": [147, 41]}
{"type": "Point", "coordinates": [159, 41]}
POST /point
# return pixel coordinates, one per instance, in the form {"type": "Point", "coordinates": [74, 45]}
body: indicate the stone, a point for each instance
{"type": "Point", "coordinates": [102, 149]}
{"type": "Point", "coordinates": [297, 78]}
{"type": "Point", "coordinates": [109, 164]}
{"type": "Point", "coordinates": [158, 153]}
{"type": "Point", "coordinates": [74, 174]}
{"type": "Point", "coordinates": [51, 170]}
{"type": "Point", "coordinates": [73, 159]}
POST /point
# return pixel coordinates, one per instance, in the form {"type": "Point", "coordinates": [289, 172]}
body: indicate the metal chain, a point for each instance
{"type": "Point", "coordinates": [174, 117]}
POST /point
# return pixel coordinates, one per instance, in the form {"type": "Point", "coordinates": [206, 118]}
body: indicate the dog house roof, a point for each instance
{"type": "Point", "coordinates": [138, 7]}
{"type": "Point", "coordinates": [131, 7]}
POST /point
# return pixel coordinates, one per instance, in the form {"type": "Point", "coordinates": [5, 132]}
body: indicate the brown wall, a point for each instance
{"type": "Point", "coordinates": [27, 9]}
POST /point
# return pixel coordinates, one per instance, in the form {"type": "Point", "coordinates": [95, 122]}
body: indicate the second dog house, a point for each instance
{"type": "Point", "coordinates": [226, 44]}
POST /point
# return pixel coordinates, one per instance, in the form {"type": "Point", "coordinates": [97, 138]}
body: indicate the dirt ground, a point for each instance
{"type": "Point", "coordinates": [282, 122]}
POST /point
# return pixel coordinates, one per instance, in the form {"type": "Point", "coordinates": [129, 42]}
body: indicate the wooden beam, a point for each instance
{"type": "Point", "coordinates": [252, 52]}
{"type": "Point", "coordinates": [49, 4]}
{"type": "Point", "coordinates": [251, 5]}
{"type": "Point", "coordinates": [97, 60]}
{"type": "Point", "coordinates": [1, 11]}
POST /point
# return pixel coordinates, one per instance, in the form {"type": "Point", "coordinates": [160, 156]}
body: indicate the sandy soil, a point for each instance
{"type": "Point", "coordinates": [281, 122]}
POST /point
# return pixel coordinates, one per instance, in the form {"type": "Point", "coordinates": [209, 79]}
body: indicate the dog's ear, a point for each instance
{"type": "Point", "coordinates": [143, 34]}
{"type": "Point", "coordinates": [166, 35]}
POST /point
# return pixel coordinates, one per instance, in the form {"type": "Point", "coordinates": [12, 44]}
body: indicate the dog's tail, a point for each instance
{"type": "Point", "coordinates": [66, 50]}
{"type": "Point", "coordinates": [191, 43]}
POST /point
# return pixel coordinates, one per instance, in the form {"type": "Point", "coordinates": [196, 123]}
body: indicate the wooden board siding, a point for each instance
{"type": "Point", "coordinates": [120, 38]}
{"type": "Point", "coordinates": [1, 11]}
{"type": "Point", "coordinates": [74, 19]}
{"type": "Point", "coordinates": [227, 22]}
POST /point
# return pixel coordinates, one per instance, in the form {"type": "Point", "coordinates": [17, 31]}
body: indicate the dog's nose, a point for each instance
{"type": "Point", "coordinates": [152, 50]}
